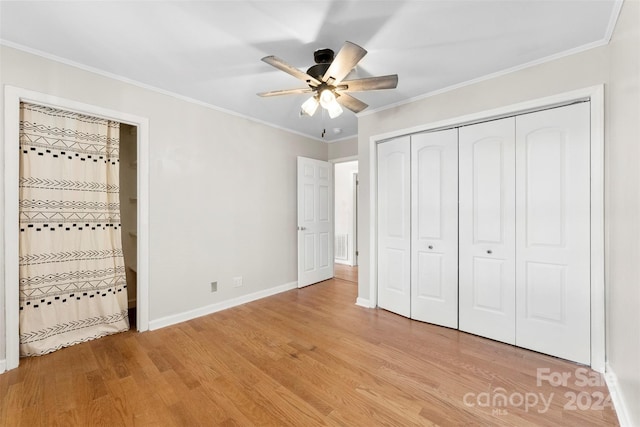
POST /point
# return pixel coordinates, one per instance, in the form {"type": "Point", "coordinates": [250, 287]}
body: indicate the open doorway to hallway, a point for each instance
{"type": "Point", "coordinates": [345, 215]}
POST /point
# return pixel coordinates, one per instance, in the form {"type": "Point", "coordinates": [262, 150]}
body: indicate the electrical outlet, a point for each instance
{"type": "Point", "coordinates": [214, 286]}
{"type": "Point", "coordinates": [237, 282]}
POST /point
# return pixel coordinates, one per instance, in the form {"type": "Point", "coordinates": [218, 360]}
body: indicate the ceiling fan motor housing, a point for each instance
{"type": "Point", "coordinates": [323, 59]}
{"type": "Point", "coordinates": [318, 70]}
{"type": "Point", "coordinates": [323, 56]}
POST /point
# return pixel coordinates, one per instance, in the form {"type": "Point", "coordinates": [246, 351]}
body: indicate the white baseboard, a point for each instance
{"type": "Point", "coordinates": [342, 261]}
{"type": "Point", "coordinates": [362, 302]}
{"type": "Point", "coordinates": [616, 397]}
{"type": "Point", "coordinates": [3, 365]}
{"type": "Point", "coordinates": [219, 306]}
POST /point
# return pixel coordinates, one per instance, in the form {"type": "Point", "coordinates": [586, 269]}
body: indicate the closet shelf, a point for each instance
{"type": "Point", "coordinates": [133, 199]}
{"type": "Point", "coordinates": [133, 234]}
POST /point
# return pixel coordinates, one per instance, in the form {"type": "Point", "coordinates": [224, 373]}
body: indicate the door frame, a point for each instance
{"type": "Point", "coordinates": [354, 225]}
{"type": "Point", "coordinates": [12, 98]}
{"type": "Point", "coordinates": [595, 94]}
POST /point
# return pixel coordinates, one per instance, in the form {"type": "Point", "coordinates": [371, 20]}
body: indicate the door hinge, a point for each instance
{"type": "Point", "coordinates": [357, 253]}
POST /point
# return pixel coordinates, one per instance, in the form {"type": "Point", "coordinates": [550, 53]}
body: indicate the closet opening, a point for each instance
{"type": "Point", "coordinates": [396, 160]}
{"type": "Point", "coordinates": [135, 163]}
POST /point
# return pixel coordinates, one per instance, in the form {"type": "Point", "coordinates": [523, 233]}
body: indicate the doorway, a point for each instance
{"type": "Point", "coordinates": [345, 213]}
{"type": "Point", "coordinates": [13, 97]}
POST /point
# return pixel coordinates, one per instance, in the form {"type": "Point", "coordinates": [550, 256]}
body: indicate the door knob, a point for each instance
{"type": "Point", "coordinates": [430, 247]}
{"type": "Point", "coordinates": [489, 252]}
{"type": "Point", "coordinates": [301, 228]}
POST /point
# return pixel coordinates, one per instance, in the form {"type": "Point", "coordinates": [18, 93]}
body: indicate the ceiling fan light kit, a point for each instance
{"type": "Point", "coordinates": [329, 102]}
{"type": "Point", "coordinates": [334, 110]}
{"type": "Point", "coordinates": [327, 98]}
{"type": "Point", "coordinates": [310, 106]}
{"type": "Point", "coordinates": [325, 80]}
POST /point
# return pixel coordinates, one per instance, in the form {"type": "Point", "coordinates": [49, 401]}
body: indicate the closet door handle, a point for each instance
{"type": "Point", "coordinates": [430, 247]}
{"type": "Point", "coordinates": [489, 251]}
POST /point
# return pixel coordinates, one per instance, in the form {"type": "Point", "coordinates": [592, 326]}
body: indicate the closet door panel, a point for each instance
{"type": "Point", "coordinates": [394, 226]}
{"type": "Point", "coordinates": [553, 232]}
{"type": "Point", "coordinates": [487, 229]}
{"type": "Point", "coordinates": [434, 231]}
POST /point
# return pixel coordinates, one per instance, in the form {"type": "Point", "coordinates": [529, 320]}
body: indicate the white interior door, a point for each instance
{"type": "Point", "coordinates": [434, 227]}
{"type": "Point", "coordinates": [315, 221]}
{"type": "Point", "coordinates": [394, 226]}
{"type": "Point", "coordinates": [487, 229]}
{"type": "Point", "coordinates": [553, 232]}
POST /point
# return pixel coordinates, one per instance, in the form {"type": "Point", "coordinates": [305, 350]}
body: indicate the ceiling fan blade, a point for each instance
{"type": "Point", "coordinates": [370, 83]}
{"type": "Point", "coordinates": [290, 69]}
{"type": "Point", "coordinates": [351, 103]}
{"type": "Point", "coordinates": [286, 92]}
{"type": "Point", "coordinates": [343, 63]}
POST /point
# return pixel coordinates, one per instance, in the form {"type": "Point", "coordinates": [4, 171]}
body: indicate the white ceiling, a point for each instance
{"type": "Point", "coordinates": [210, 51]}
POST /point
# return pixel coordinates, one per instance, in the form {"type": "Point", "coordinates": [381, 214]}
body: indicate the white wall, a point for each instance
{"type": "Point", "coordinates": [616, 65]}
{"type": "Point", "coordinates": [344, 206]}
{"type": "Point", "coordinates": [622, 186]}
{"type": "Point", "coordinates": [222, 187]}
{"type": "Point", "coordinates": [344, 148]}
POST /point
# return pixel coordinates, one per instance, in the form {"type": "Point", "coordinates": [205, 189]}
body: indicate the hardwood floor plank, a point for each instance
{"type": "Point", "coordinates": [239, 397]}
{"type": "Point", "coordinates": [11, 404]}
{"type": "Point", "coordinates": [305, 357]}
{"type": "Point", "coordinates": [290, 405]}
{"type": "Point", "coordinates": [102, 412]}
{"type": "Point", "coordinates": [345, 272]}
{"type": "Point", "coordinates": [65, 418]}
{"type": "Point", "coordinates": [181, 415]}
{"type": "Point", "coordinates": [127, 404]}
{"type": "Point", "coordinates": [97, 387]}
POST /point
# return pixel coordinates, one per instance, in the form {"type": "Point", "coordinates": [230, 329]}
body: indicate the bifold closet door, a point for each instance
{"type": "Point", "coordinates": [553, 232]}
{"type": "Point", "coordinates": [434, 227]}
{"type": "Point", "coordinates": [394, 226]}
{"type": "Point", "coordinates": [487, 229]}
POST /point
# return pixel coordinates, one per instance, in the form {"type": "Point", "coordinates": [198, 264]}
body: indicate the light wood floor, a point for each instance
{"type": "Point", "coordinates": [301, 358]}
{"type": "Point", "coordinates": [345, 272]}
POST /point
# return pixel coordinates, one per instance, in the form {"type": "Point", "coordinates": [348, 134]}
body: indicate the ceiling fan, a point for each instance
{"type": "Point", "coordinates": [325, 80]}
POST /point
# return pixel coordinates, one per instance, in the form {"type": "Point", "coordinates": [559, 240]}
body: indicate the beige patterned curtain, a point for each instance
{"type": "Point", "coordinates": [72, 275]}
